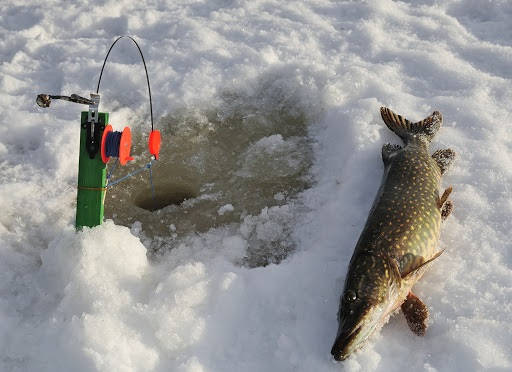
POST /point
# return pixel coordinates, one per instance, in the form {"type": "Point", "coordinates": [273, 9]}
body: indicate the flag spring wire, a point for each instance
{"type": "Point", "coordinates": [113, 139]}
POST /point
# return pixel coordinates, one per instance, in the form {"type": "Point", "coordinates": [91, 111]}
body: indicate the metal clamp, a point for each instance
{"type": "Point", "coordinates": [93, 103]}
{"type": "Point", "coordinates": [94, 127]}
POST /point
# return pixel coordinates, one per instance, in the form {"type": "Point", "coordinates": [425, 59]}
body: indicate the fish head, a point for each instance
{"type": "Point", "coordinates": [371, 293]}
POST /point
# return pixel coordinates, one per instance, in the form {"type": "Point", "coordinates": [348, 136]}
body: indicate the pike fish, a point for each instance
{"type": "Point", "coordinates": [399, 241]}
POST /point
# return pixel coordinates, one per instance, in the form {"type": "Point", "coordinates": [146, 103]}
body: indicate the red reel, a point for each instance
{"type": "Point", "coordinates": [107, 130]}
{"type": "Point", "coordinates": [125, 145]}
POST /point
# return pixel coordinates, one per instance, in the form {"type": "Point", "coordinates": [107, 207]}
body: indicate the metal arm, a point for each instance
{"type": "Point", "coordinates": [44, 100]}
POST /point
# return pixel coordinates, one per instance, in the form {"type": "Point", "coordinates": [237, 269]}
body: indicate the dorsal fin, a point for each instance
{"type": "Point", "coordinates": [406, 130]}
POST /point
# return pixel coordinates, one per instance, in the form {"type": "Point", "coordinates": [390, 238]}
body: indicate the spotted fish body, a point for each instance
{"type": "Point", "coordinates": [400, 237]}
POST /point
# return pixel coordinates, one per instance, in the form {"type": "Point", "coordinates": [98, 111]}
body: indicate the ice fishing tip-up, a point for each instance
{"type": "Point", "coordinates": [98, 143]}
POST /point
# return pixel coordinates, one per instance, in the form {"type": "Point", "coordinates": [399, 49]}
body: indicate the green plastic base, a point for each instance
{"type": "Point", "coordinates": [91, 180]}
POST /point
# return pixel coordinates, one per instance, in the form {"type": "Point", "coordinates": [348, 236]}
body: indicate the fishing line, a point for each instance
{"type": "Point", "coordinates": [113, 169]}
{"type": "Point", "coordinates": [113, 142]}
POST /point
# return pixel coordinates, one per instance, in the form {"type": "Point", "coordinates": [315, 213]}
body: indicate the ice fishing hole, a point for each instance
{"type": "Point", "coordinates": [164, 196]}
{"type": "Point", "coordinates": [235, 168]}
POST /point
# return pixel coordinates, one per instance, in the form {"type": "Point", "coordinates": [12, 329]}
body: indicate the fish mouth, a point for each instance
{"type": "Point", "coordinates": [343, 345]}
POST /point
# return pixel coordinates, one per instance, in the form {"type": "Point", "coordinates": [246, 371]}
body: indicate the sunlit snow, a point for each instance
{"type": "Point", "coordinates": [270, 116]}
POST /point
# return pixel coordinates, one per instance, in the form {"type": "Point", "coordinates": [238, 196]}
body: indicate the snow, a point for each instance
{"type": "Point", "coordinates": [225, 209]}
{"type": "Point", "coordinates": [100, 300]}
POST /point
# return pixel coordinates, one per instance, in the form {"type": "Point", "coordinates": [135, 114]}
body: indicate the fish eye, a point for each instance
{"type": "Point", "coordinates": [350, 295]}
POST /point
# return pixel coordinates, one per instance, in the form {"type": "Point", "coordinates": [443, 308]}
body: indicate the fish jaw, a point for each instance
{"type": "Point", "coordinates": [358, 323]}
{"type": "Point", "coordinates": [354, 332]}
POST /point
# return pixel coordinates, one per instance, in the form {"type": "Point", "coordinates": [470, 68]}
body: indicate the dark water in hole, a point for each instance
{"type": "Point", "coordinates": [164, 195]}
{"type": "Point", "coordinates": [240, 164]}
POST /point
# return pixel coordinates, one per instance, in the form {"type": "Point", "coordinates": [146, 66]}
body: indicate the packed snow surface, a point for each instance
{"type": "Point", "coordinates": [101, 300]}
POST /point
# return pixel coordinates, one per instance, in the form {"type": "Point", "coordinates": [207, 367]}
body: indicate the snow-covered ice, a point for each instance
{"type": "Point", "coordinates": [98, 300]}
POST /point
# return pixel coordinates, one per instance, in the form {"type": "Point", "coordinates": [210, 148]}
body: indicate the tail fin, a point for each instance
{"type": "Point", "coordinates": [425, 129]}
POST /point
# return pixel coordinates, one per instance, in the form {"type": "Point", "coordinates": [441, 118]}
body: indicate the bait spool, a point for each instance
{"type": "Point", "coordinates": [116, 144]}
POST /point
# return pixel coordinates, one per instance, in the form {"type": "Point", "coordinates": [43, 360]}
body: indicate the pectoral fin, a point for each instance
{"type": "Point", "coordinates": [421, 267]}
{"type": "Point", "coordinates": [410, 264]}
{"type": "Point", "coordinates": [416, 314]}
